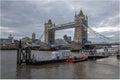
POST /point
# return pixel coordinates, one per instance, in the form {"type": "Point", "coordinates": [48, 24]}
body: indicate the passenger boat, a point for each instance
{"type": "Point", "coordinates": [99, 53]}
{"type": "Point", "coordinates": [74, 60]}
{"type": "Point", "coordinates": [97, 56]}
{"type": "Point", "coordinates": [56, 57]}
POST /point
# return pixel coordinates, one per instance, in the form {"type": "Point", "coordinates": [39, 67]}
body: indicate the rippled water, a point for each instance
{"type": "Point", "coordinates": [102, 68]}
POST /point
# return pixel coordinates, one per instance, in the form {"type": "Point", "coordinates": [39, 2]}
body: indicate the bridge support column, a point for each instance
{"type": "Point", "coordinates": [78, 35]}
{"type": "Point", "coordinates": [49, 34]}
{"type": "Point", "coordinates": [81, 22]}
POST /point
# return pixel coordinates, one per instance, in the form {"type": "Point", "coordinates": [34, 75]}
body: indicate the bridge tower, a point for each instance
{"type": "Point", "coordinates": [81, 23]}
{"type": "Point", "coordinates": [49, 34]}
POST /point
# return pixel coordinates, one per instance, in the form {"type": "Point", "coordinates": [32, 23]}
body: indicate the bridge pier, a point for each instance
{"type": "Point", "coordinates": [81, 23]}
{"type": "Point", "coordinates": [49, 34]}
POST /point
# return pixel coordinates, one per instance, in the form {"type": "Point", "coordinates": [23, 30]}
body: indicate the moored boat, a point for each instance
{"type": "Point", "coordinates": [97, 56]}
{"type": "Point", "coordinates": [96, 53]}
{"type": "Point", "coordinates": [56, 57]}
{"type": "Point", "coordinates": [77, 59]}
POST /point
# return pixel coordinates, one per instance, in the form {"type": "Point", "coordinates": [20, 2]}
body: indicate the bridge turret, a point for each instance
{"type": "Point", "coordinates": [80, 17]}
{"type": "Point", "coordinates": [48, 24]}
{"type": "Point", "coordinates": [49, 21]}
{"type": "Point", "coordinates": [86, 20]}
{"type": "Point", "coordinates": [81, 13]}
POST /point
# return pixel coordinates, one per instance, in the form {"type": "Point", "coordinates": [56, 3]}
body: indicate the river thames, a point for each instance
{"type": "Point", "coordinates": [96, 69]}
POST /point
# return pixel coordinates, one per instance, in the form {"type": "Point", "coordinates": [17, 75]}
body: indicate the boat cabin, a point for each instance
{"type": "Point", "coordinates": [62, 54]}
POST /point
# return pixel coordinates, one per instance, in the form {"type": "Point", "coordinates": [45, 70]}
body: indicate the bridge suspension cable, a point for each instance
{"type": "Point", "coordinates": [104, 38]}
{"type": "Point", "coordinates": [39, 41]}
{"type": "Point", "coordinates": [41, 36]}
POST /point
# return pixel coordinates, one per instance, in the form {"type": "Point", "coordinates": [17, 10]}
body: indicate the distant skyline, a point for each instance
{"type": "Point", "coordinates": [22, 17]}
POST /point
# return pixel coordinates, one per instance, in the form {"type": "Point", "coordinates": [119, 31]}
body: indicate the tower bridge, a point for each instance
{"type": "Point", "coordinates": [80, 24]}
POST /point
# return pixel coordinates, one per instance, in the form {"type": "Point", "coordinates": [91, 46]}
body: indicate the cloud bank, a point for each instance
{"type": "Point", "coordinates": [22, 17]}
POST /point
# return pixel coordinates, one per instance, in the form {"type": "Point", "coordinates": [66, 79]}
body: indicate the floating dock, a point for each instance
{"type": "Point", "coordinates": [24, 57]}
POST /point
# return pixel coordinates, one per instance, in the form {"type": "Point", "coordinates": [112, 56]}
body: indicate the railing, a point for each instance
{"type": "Point", "coordinates": [63, 25]}
{"type": "Point", "coordinates": [70, 23]}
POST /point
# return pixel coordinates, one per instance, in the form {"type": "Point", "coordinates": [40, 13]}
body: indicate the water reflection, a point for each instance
{"type": "Point", "coordinates": [56, 71]}
{"type": "Point", "coordinates": [44, 71]}
{"type": "Point", "coordinates": [80, 70]}
{"type": "Point", "coordinates": [87, 69]}
{"type": "Point", "coordinates": [23, 71]}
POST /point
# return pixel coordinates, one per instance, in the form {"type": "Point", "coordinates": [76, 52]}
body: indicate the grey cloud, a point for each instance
{"type": "Point", "coordinates": [29, 16]}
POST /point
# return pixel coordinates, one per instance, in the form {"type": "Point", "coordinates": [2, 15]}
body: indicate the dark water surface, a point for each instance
{"type": "Point", "coordinates": [102, 68]}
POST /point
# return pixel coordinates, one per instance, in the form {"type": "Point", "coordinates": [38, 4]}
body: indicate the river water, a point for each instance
{"type": "Point", "coordinates": [95, 69]}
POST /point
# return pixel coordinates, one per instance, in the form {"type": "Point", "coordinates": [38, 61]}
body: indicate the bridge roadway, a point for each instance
{"type": "Point", "coordinates": [63, 26]}
{"type": "Point", "coordinates": [103, 44]}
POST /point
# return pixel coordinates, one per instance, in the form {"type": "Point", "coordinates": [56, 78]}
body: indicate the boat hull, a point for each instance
{"type": "Point", "coordinates": [84, 58]}
{"type": "Point", "coordinates": [47, 62]}
{"type": "Point", "coordinates": [97, 57]}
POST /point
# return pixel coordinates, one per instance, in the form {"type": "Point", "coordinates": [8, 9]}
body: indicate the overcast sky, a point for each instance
{"type": "Point", "coordinates": [22, 17]}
